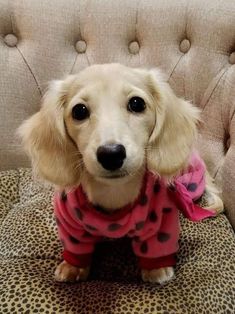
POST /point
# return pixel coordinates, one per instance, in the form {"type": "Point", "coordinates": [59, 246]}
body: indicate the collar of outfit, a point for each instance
{"type": "Point", "coordinates": [152, 221]}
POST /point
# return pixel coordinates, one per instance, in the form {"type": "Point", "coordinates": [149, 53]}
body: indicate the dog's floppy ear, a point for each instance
{"type": "Point", "coordinates": [54, 156]}
{"type": "Point", "coordinates": [175, 129]}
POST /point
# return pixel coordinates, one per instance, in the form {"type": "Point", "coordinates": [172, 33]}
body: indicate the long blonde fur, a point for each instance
{"type": "Point", "coordinates": [174, 134]}
{"type": "Point", "coordinates": [54, 157]}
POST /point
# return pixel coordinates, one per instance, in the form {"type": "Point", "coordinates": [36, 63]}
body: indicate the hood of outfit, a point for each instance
{"type": "Point", "coordinates": [152, 220]}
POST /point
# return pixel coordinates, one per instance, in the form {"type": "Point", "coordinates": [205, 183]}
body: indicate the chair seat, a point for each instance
{"type": "Point", "coordinates": [30, 250]}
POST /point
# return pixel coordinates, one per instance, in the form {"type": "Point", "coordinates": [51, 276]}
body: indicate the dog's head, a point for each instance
{"type": "Point", "coordinates": [111, 121]}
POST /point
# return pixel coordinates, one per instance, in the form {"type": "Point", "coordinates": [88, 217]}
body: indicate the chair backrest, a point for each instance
{"type": "Point", "coordinates": [192, 41]}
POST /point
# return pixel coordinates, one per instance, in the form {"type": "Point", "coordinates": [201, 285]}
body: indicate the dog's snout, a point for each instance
{"type": "Point", "coordinates": [111, 156]}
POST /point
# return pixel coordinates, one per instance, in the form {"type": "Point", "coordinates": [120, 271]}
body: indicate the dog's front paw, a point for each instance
{"type": "Point", "coordinates": [160, 275]}
{"type": "Point", "coordinates": [69, 273]}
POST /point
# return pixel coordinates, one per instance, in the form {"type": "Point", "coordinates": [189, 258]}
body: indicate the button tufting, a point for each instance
{"type": "Point", "coordinates": [81, 46]}
{"type": "Point", "coordinates": [11, 40]}
{"type": "Point", "coordinates": [232, 58]}
{"type": "Point", "coordinates": [134, 47]}
{"type": "Point", "coordinates": [185, 45]}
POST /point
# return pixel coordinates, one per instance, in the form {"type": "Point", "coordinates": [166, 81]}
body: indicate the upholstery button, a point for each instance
{"type": "Point", "coordinates": [81, 46]}
{"type": "Point", "coordinates": [185, 45]}
{"type": "Point", "coordinates": [232, 58]}
{"type": "Point", "coordinates": [11, 40]}
{"type": "Point", "coordinates": [134, 47]}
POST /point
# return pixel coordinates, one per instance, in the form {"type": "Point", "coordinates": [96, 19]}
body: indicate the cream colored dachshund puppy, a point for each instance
{"type": "Point", "coordinates": [101, 129]}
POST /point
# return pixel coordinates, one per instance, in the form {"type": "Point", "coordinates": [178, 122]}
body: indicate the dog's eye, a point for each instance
{"type": "Point", "coordinates": [136, 104]}
{"type": "Point", "coordinates": [80, 112]}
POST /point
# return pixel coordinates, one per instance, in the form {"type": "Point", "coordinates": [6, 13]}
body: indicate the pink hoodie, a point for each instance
{"type": "Point", "coordinates": [152, 221]}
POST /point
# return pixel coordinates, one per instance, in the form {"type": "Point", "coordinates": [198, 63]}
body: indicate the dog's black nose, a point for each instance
{"type": "Point", "coordinates": [111, 156]}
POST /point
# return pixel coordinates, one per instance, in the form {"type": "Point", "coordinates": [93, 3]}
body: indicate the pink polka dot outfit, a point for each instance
{"type": "Point", "coordinates": [152, 221]}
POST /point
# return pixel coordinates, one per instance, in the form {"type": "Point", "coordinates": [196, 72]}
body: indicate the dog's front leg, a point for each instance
{"type": "Point", "coordinates": [66, 272]}
{"type": "Point", "coordinates": [74, 267]}
{"type": "Point", "coordinates": [160, 275]}
{"type": "Point", "coordinates": [157, 270]}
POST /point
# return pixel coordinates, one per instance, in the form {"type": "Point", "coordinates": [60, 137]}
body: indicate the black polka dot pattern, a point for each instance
{"type": "Point", "coordinates": [163, 236]}
{"type": "Point", "coordinates": [167, 210]}
{"type": "Point", "coordinates": [92, 228]}
{"type": "Point", "coordinates": [144, 247]}
{"type": "Point", "coordinates": [73, 240]}
{"type": "Point", "coordinates": [192, 187]}
{"type": "Point", "coordinates": [143, 200]}
{"type": "Point", "coordinates": [102, 210]}
{"type": "Point", "coordinates": [87, 234]}
{"type": "Point", "coordinates": [153, 216]}
{"type": "Point", "coordinates": [156, 187]}
{"type": "Point", "coordinates": [139, 225]}
{"type": "Point", "coordinates": [114, 227]}
{"type": "Point", "coordinates": [63, 196]}
{"type": "Point", "coordinates": [79, 213]}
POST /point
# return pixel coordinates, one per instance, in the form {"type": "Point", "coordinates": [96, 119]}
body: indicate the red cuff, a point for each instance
{"type": "Point", "coordinates": [83, 260]}
{"type": "Point", "coordinates": [155, 263]}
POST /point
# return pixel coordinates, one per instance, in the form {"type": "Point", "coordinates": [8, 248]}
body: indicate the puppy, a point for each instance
{"type": "Point", "coordinates": [118, 145]}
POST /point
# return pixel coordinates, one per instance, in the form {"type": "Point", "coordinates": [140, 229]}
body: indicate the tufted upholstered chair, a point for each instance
{"type": "Point", "coordinates": [193, 42]}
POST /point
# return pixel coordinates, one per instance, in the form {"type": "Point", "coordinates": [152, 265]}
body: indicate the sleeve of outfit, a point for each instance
{"type": "Point", "coordinates": [156, 263]}
{"type": "Point", "coordinates": [160, 249]}
{"type": "Point", "coordinates": [189, 187]}
{"type": "Point", "coordinates": [157, 244]}
{"type": "Point", "coordinates": [78, 244]}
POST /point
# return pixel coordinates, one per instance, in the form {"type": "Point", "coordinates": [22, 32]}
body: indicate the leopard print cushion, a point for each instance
{"type": "Point", "coordinates": [30, 251]}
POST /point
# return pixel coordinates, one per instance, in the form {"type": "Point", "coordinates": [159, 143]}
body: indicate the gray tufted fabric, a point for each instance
{"type": "Point", "coordinates": [192, 41]}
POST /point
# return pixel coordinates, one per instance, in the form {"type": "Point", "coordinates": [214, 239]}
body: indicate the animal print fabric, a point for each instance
{"type": "Point", "coordinates": [30, 250]}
